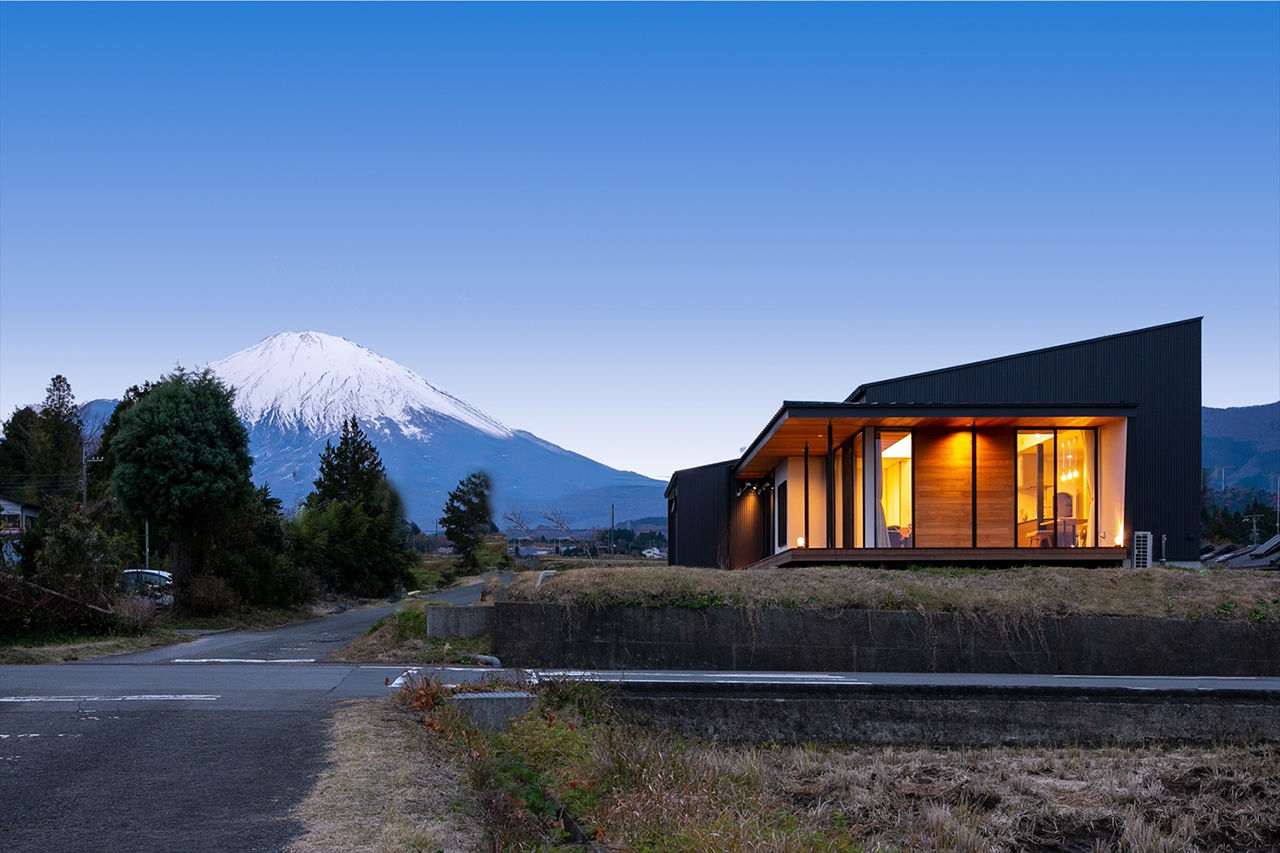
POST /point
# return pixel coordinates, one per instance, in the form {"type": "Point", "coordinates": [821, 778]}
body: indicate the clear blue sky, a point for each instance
{"type": "Point", "coordinates": [635, 229]}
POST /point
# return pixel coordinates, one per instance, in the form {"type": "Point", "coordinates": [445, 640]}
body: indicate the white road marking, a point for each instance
{"type": "Point", "coordinates": [242, 660]}
{"type": "Point", "coordinates": [403, 679]}
{"type": "Point", "coordinates": [147, 697]}
{"type": "Point", "coordinates": [1168, 677]}
{"type": "Point", "coordinates": [534, 676]}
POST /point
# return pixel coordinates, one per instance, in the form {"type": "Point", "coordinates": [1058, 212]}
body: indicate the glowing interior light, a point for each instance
{"type": "Point", "coordinates": [900, 449]}
{"type": "Point", "coordinates": [799, 541]}
{"type": "Point", "coordinates": [1120, 536]}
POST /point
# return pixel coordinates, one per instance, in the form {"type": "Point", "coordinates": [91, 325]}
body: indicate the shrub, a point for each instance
{"type": "Point", "coordinates": [207, 595]}
{"type": "Point", "coordinates": [134, 614]}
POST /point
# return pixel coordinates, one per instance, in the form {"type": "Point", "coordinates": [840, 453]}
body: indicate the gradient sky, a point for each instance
{"type": "Point", "coordinates": [635, 229]}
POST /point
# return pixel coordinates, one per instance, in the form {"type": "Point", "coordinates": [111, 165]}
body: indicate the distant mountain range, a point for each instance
{"type": "Point", "coordinates": [1241, 446]}
{"type": "Point", "coordinates": [295, 389]}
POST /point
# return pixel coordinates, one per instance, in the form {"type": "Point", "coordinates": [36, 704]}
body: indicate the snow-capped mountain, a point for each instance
{"type": "Point", "coordinates": [294, 390]}
{"type": "Point", "coordinates": [313, 380]}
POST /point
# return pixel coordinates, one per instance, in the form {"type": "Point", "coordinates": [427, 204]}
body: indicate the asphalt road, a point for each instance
{"type": "Point", "coordinates": [205, 745]}
{"type": "Point", "coordinates": [138, 752]}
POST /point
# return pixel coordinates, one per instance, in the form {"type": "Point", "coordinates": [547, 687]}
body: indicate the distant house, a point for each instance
{"type": "Point", "coordinates": [16, 516]}
{"type": "Point", "coordinates": [1263, 556]}
{"type": "Point", "coordinates": [1057, 454]}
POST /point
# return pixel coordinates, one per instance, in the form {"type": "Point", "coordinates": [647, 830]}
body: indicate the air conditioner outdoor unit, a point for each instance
{"type": "Point", "coordinates": [1141, 549]}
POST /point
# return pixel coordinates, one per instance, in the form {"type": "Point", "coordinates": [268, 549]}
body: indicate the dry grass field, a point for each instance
{"type": "Point", "coordinates": [637, 789]}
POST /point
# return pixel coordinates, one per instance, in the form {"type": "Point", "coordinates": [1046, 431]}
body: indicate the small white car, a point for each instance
{"type": "Point", "coordinates": [152, 583]}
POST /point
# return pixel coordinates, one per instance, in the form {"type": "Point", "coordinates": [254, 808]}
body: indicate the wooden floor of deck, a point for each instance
{"type": "Point", "coordinates": [945, 556]}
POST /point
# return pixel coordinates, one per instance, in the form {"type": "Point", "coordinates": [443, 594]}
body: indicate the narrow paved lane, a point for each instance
{"type": "Point", "coordinates": [137, 752]}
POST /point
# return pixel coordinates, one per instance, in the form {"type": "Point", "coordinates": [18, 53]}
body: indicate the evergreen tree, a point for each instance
{"type": "Point", "coordinates": [467, 517]}
{"type": "Point", "coordinates": [42, 447]}
{"type": "Point", "coordinates": [353, 470]}
{"type": "Point", "coordinates": [182, 461]}
{"type": "Point", "coordinates": [59, 438]}
{"type": "Point", "coordinates": [100, 485]}
{"type": "Point", "coordinates": [15, 455]}
{"type": "Point", "coordinates": [351, 531]}
{"type": "Point", "coordinates": [249, 554]}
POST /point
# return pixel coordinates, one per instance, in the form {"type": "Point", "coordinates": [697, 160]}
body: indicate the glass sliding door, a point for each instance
{"type": "Point", "coordinates": [1056, 473]}
{"type": "Point", "coordinates": [1076, 485]}
{"type": "Point", "coordinates": [1034, 470]}
{"type": "Point", "coordinates": [894, 488]}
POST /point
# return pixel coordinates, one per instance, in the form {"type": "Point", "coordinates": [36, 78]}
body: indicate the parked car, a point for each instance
{"type": "Point", "coordinates": [151, 583]}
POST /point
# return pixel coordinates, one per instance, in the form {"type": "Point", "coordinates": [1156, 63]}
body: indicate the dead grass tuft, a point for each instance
{"type": "Point", "coordinates": [389, 787]}
{"type": "Point", "coordinates": [86, 649]}
{"type": "Point", "coordinates": [1015, 592]}
{"type": "Point", "coordinates": [702, 796]}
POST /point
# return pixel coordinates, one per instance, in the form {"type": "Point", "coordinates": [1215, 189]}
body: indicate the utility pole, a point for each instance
{"type": "Point", "coordinates": [1253, 537]}
{"type": "Point", "coordinates": [85, 459]}
{"type": "Point", "coordinates": [611, 525]}
{"type": "Point", "coordinates": [1276, 477]}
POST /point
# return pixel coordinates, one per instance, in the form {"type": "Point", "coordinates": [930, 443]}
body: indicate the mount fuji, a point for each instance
{"type": "Point", "coordinates": [294, 390]}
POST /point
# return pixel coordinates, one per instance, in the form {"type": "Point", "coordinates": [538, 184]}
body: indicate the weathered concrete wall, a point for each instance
{"type": "Point", "coordinates": [552, 635]}
{"type": "Point", "coordinates": [956, 716]}
{"type": "Point", "coordinates": [459, 621]}
{"type": "Point", "coordinates": [493, 711]}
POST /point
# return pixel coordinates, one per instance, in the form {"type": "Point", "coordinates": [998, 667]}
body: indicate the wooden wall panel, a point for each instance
{"type": "Point", "coordinates": [748, 529]}
{"type": "Point", "coordinates": [943, 480]}
{"type": "Point", "coordinates": [996, 451]}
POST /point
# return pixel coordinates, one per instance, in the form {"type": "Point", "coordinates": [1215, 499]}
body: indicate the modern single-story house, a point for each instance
{"type": "Point", "coordinates": [1060, 454]}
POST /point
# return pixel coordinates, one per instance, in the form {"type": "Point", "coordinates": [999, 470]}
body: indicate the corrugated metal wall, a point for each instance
{"type": "Point", "coordinates": [698, 522]}
{"type": "Point", "coordinates": [1156, 369]}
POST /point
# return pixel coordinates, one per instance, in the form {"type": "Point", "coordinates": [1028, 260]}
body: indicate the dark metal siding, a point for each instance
{"type": "Point", "coordinates": [698, 524]}
{"type": "Point", "coordinates": [1157, 370]}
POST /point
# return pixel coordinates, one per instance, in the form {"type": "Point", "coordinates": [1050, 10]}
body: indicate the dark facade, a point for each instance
{"type": "Point", "coordinates": [698, 515]}
{"type": "Point", "coordinates": [1148, 380]}
{"type": "Point", "coordinates": [1156, 370]}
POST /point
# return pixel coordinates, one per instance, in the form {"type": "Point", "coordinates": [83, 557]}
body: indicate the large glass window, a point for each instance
{"type": "Point", "coordinates": [893, 489]}
{"type": "Point", "coordinates": [1056, 484]}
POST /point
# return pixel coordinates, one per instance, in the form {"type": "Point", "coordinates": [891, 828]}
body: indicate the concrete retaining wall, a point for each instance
{"type": "Point", "coordinates": [553, 635]}
{"type": "Point", "coordinates": [956, 716]}
{"type": "Point", "coordinates": [459, 621]}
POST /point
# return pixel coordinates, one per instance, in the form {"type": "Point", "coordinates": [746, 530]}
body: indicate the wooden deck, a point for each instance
{"type": "Point", "coordinates": [945, 557]}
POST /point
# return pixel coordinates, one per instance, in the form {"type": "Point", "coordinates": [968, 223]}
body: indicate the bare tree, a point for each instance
{"type": "Point", "coordinates": [560, 521]}
{"type": "Point", "coordinates": [516, 519]}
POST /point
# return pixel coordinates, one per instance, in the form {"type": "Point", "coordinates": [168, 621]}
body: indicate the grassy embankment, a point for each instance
{"type": "Point", "coordinates": [162, 630]}
{"type": "Point", "coordinates": [1042, 590]}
